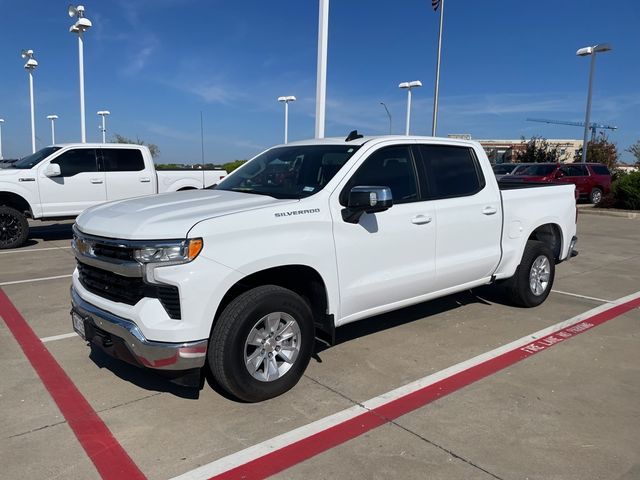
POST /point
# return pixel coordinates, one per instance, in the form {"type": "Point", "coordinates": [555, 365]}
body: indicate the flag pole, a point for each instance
{"type": "Point", "coordinates": [434, 123]}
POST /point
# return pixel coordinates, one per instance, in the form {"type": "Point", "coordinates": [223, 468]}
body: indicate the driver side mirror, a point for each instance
{"type": "Point", "coordinates": [366, 199]}
{"type": "Point", "coordinates": [559, 174]}
{"type": "Point", "coordinates": [52, 170]}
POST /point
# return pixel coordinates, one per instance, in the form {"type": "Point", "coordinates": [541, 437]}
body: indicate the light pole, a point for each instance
{"type": "Point", "coordinates": [30, 66]}
{"type": "Point", "coordinates": [583, 52]}
{"type": "Point", "coordinates": [1, 122]}
{"type": "Point", "coordinates": [82, 25]}
{"type": "Point", "coordinates": [103, 114]}
{"type": "Point", "coordinates": [388, 114]}
{"type": "Point", "coordinates": [286, 101]}
{"type": "Point", "coordinates": [321, 79]}
{"type": "Point", "coordinates": [53, 118]}
{"type": "Point", "coordinates": [408, 86]}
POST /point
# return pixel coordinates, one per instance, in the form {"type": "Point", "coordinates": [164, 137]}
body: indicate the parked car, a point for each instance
{"type": "Point", "coordinates": [60, 181]}
{"type": "Point", "coordinates": [503, 169]}
{"type": "Point", "coordinates": [300, 240]}
{"type": "Point", "coordinates": [592, 180]}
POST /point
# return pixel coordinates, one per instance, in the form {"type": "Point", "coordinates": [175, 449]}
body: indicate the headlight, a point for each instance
{"type": "Point", "coordinates": [164, 254]}
{"type": "Point", "coordinates": [169, 252]}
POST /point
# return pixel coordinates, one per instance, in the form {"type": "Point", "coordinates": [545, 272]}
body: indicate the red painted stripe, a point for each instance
{"type": "Point", "coordinates": [308, 447]}
{"type": "Point", "coordinates": [110, 459]}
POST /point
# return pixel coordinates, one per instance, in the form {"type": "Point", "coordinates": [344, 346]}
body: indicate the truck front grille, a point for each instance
{"type": "Point", "coordinates": [128, 290]}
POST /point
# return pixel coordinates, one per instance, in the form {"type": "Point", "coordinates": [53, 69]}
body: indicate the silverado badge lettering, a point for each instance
{"type": "Point", "coordinates": [297, 212]}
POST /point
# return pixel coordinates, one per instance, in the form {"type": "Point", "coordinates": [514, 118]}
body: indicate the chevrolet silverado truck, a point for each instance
{"type": "Point", "coordinates": [60, 181]}
{"type": "Point", "coordinates": [302, 239]}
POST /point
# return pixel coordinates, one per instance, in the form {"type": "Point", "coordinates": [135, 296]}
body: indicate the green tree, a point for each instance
{"type": "Point", "coordinates": [600, 150]}
{"type": "Point", "coordinates": [635, 151]}
{"type": "Point", "coordinates": [231, 166]}
{"type": "Point", "coordinates": [153, 148]}
{"type": "Point", "coordinates": [537, 150]}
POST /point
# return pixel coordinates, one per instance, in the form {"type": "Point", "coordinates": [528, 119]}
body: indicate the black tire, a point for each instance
{"type": "Point", "coordinates": [595, 196]}
{"type": "Point", "coordinates": [519, 287]}
{"type": "Point", "coordinates": [228, 347]}
{"type": "Point", "coordinates": [14, 228]}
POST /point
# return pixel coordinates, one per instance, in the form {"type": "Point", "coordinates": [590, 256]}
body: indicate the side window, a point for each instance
{"type": "Point", "coordinates": [575, 170]}
{"type": "Point", "coordinates": [388, 167]}
{"type": "Point", "coordinates": [122, 160]}
{"type": "Point", "coordinates": [77, 161]}
{"type": "Point", "coordinates": [452, 171]}
{"type": "Point", "coordinates": [600, 170]}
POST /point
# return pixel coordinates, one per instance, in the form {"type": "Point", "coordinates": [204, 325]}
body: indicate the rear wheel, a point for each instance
{"type": "Point", "coordinates": [533, 280]}
{"type": "Point", "coordinates": [595, 196]}
{"type": "Point", "coordinates": [262, 343]}
{"type": "Point", "coordinates": [14, 228]}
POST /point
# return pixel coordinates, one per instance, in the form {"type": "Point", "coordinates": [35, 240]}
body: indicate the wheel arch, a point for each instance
{"type": "Point", "coordinates": [551, 235]}
{"type": "Point", "coordinates": [16, 201]}
{"type": "Point", "coordinates": [301, 279]}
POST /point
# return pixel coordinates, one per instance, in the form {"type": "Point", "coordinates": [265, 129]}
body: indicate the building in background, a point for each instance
{"type": "Point", "coordinates": [504, 151]}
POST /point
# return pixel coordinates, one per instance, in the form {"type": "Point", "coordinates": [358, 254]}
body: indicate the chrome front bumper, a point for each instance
{"type": "Point", "coordinates": [122, 339]}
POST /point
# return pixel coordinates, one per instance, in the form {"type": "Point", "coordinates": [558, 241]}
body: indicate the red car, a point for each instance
{"type": "Point", "coordinates": [592, 180]}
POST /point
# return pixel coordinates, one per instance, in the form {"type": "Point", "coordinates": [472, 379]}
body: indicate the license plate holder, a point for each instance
{"type": "Point", "coordinates": [78, 324]}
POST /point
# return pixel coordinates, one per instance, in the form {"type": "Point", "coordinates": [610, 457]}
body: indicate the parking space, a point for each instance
{"type": "Point", "coordinates": [569, 412]}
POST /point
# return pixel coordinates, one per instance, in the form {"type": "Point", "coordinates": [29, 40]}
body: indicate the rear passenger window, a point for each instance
{"type": "Point", "coordinates": [574, 170]}
{"type": "Point", "coordinates": [77, 161]}
{"type": "Point", "coordinates": [600, 170]}
{"type": "Point", "coordinates": [388, 167]}
{"type": "Point", "coordinates": [452, 171]}
{"type": "Point", "coordinates": [122, 160]}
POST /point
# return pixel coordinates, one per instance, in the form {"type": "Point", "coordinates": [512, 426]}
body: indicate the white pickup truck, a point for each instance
{"type": "Point", "coordinates": [60, 181]}
{"type": "Point", "coordinates": [302, 239]}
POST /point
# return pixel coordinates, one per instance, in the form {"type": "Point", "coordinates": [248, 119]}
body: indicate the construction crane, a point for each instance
{"type": "Point", "coordinates": [593, 126]}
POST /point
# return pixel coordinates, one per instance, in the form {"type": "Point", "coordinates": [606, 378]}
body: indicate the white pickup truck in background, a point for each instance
{"type": "Point", "coordinates": [300, 240]}
{"type": "Point", "coordinates": [60, 181]}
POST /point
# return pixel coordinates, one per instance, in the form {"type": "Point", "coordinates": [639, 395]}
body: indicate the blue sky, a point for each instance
{"type": "Point", "coordinates": [155, 64]}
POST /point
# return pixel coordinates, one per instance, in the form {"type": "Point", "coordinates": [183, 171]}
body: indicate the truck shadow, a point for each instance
{"type": "Point", "coordinates": [483, 295]}
{"type": "Point", "coordinates": [48, 233]}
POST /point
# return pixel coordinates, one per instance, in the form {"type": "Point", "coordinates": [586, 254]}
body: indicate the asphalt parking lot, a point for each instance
{"type": "Point", "coordinates": [564, 409]}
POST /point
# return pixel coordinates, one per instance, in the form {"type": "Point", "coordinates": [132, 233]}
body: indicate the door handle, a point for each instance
{"type": "Point", "coordinates": [489, 210]}
{"type": "Point", "coordinates": [420, 220]}
{"type": "Point", "coordinates": [96, 180]}
{"type": "Point", "coordinates": [145, 180]}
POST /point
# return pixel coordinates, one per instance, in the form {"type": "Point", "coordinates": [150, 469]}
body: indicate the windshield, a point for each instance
{"type": "Point", "coordinates": [35, 158]}
{"type": "Point", "coordinates": [536, 170]}
{"type": "Point", "coordinates": [503, 169]}
{"type": "Point", "coordinates": [289, 172]}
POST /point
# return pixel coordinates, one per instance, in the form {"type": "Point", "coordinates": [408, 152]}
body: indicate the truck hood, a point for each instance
{"type": "Point", "coordinates": [169, 215]}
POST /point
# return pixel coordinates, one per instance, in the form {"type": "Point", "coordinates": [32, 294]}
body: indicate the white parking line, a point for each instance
{"type": "Point", "coordinates": [58, 337]}
{"type": "Point", "coordinates": [582, 296]}
{"type": "Point", "coordinates": [33, 250]}
{"type": "Point", "coordinates": [42, 279]}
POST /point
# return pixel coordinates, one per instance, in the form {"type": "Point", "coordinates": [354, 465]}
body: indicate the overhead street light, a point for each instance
{"type": "Point", "coordinates": [584, 52]}
{"type": "Point", "coordinates": [53, 118]}
{"type": "Point", "coordinates": [30, 66]}
{"type": "Point", "coordinates": [103, 114]}
{"type": "Point", "coordinates": [1, 122]}
{"type": "Point", "coordinates": [388, 114]}
{"type": "Point", "coordinates": [82, 25]}
{"type": "Point", "coordinates": [286, 101]}
{"type": "Point", "coordinates": [408, 86]}
{"type": "Point", "coordinates": [321, 69]}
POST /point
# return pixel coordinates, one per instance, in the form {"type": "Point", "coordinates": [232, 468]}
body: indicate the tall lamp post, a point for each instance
{"type": "Point", "coordinates": [53, 118]}
{"type": "Point", "coordinates": [82, 25]}
{"type": "Point", "coordinates": [321, 74]}
{"type": "Point", "coordinates": [286, 101]}
{"type": "Point", "coordinates": [103, 114]}
{"type": "Point", "coordinates": [408, 86]}
{"type": "Point", "coordinates": [583, 52]}
{"type": "Point", "coordinates": [30, 66]}
{"type": "Point", "coordinates": [1, 122]}
{"type": "Point", "coordinates": [388, 115]}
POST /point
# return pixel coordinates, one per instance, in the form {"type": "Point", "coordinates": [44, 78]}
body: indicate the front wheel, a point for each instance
{"type": "Point", "coordinates": [14, 228]}
{"type": "Point", "coordinates": [262, 343]}
{"type": "Point", "coordinates": [533, 280]}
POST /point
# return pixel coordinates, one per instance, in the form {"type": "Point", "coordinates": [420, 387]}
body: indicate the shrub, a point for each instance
{"type": "Point", "coordinates": [626, 191]}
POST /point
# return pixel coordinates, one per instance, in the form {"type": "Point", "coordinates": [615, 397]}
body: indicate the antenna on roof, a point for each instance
{"type": "Point", "coordinates": [353, 135]}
